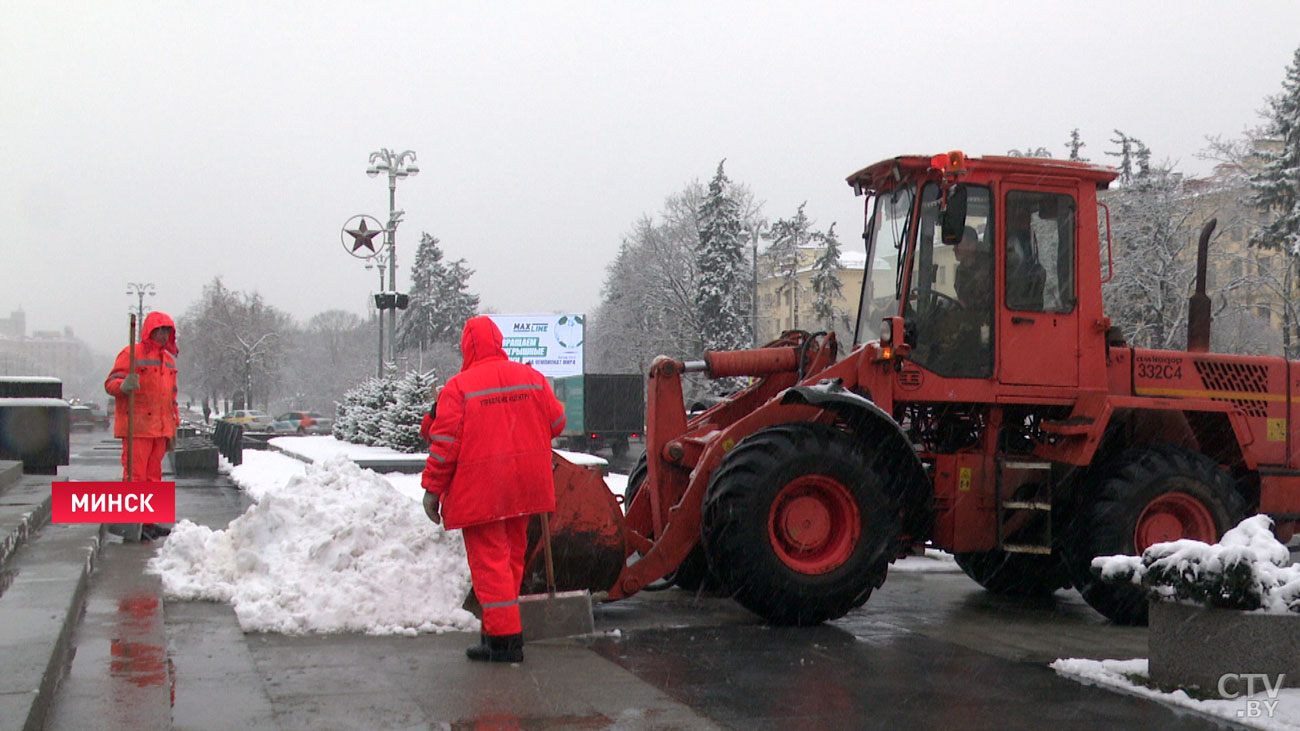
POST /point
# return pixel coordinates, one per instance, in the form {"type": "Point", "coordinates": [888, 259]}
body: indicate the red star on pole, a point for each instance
{"type": "Point", "coordinates": [361, 236]}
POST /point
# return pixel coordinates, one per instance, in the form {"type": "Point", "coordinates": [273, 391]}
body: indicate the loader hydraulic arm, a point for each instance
{"type": "Point", "coordinates": [663, 520]}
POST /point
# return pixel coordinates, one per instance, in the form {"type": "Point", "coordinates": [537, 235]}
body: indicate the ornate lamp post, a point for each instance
{"type": "Point", "coordinates": [396, 165]}
{"type": "Point", "coordinates": [140, 289]}
{"type": "Point", "coordinates": [358, 238]}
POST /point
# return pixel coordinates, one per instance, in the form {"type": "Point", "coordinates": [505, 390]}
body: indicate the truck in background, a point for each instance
{"type": "Point", "coordinates": [601, 410]}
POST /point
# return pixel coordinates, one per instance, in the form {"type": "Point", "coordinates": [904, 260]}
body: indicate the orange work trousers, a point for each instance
{"type": "Point", "coordinates": [147, 456]}
{"type": "Point", "coordinates": [496, 566]}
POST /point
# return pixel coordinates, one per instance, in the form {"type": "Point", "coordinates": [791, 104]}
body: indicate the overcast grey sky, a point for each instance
{"type": "Point", "coordinates": [172, 142]}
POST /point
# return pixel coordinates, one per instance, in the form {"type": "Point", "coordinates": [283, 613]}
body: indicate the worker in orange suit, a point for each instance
{"type": "Point", "coordinates": [153, 411]}
{"type": "Point", "coordinates": [488, 471]}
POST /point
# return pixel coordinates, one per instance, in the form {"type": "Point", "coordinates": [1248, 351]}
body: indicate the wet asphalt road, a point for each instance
{"type": "Point", "coordinates": [929, 650]}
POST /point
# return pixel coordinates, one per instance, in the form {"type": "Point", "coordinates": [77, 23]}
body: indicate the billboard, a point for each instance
{"type": "Point", "coordinates": [550, 343]}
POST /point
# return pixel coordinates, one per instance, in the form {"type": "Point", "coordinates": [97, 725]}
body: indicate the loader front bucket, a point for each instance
{"type": "Point", "coordinates": [587, 540]}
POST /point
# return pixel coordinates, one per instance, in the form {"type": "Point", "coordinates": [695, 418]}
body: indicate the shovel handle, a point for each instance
{"type": "Point", "coordinates": [546, 547]}
{"type": "Point", "coordinates": [130, 407]}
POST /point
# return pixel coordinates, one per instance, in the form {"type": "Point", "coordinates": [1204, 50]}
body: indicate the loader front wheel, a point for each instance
{"type": "Point", "coordinates": [797, 525]}
{"type": "Point", "coordinates": [1148, 495]}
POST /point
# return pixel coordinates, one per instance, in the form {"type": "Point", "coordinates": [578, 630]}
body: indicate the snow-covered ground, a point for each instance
{"type": "Point", "coordinates": [328, 547]}
{"type": "Point", "coordinates": [1281, 711]}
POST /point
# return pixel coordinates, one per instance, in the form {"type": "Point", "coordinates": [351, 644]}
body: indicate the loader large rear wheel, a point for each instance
{"type": "Point", "coordinates": [797, 525]}
{"type": "Point", "coordinates": [1149, 495]}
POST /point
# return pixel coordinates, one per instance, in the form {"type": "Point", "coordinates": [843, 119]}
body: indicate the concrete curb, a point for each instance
{"type": "Point", "coordinates": [39, 614]}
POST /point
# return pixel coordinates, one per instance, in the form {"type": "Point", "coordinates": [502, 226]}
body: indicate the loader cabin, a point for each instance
{"type": "Point", "coordinates": [993, 271]}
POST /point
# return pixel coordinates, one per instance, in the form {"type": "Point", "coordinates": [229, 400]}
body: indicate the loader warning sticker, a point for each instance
{"type": "Point", "coordinates": [1277, 430]}
{"type": "Point", "coordinates": [910, 379]}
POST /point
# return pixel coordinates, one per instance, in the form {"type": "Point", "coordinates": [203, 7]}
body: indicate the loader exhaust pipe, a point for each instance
{"type": "Point", "coordinates": [1198, 305]}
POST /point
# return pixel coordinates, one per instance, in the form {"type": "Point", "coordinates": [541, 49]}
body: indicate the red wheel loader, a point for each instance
{"type": "Point", "coordinates": [988, 408]}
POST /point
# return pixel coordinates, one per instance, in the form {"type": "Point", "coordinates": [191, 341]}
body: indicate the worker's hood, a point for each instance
{"type": "Point", "coordinates": [155, 320]}
{"type": "Point", "coordinates": [480, 341]}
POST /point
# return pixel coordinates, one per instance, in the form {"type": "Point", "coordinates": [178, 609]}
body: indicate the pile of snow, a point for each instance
{"type": "Point", "coordinates": [1267, 708]}
{"type": "Point", "coordinates": [1247, 569]}
{"type": "Point", "coordinates": [327, 548]}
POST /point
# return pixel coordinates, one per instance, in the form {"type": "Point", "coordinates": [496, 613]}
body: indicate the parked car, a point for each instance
{"type": "Point", "coordinates": [87, 415]}
{"type": "Point", "coordinates": [302, 422]}
{"type": "Point", "coordinates": [81, 417]}
{"type": "Point", "coordinates": [250, 419]}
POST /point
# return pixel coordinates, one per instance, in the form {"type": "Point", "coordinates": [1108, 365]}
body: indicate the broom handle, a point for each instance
{"type": "Point", "coordinates": [130, 408]}
{"type": "Point", "coordinates": [546, 546]}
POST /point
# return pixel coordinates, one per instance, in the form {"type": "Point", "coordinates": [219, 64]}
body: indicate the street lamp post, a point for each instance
{"type": "Point", "coordinates": [755, 233]}
{"type": "Point", "coordinates": [140, 289]}
{"type": "Point", "coordinates": [379, 264]}
{"type": "Point", "coordinates": [396, 165]}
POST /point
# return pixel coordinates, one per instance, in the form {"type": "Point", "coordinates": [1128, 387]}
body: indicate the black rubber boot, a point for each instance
{"type": "Point", "coordinates": [481, 651]}
{"type": "Point", "coordinates": [498, 648]}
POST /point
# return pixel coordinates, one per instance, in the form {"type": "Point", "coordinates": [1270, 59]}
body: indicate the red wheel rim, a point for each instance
{"type": "Point", "coordinates": [1172, 516]}
{"type": "Point", "coordinates": [814, 524]}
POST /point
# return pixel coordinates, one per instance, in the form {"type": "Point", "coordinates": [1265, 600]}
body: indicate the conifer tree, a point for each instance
{"type": "Point", "coordinates": [440, 302]}
{"type": "Point", "coordinates": [827, 286]}
{"type": "Point", "coordinates": [400, 424]}
{"type": "Point", "coordinates": [722, 293]}
{"type": "Point", "coordinates": [1275, 188]}
{"type": "Point", "coordinates": [787, 237]}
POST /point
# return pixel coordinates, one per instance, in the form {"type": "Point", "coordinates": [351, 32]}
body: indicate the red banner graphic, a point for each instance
{"type": "Point", "coordinates": [114, 502]}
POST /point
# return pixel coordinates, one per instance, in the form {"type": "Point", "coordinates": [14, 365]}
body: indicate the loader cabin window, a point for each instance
{"type": "Point", "coordinates": [948, 312]}
{"type": "Point", "coordinates": [887, 228]}
{"type": "Point", "coordinates": [1040, 252]}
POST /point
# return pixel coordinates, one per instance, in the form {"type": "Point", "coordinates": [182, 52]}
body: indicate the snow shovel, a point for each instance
{"type": "Point", "coordinates": [129, 531]}
{"type": "Point", "coordinates": [555, 614]}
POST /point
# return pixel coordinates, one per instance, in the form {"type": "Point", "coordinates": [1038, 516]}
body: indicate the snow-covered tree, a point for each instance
{"type": "Point", "coordinates": [1155, 229]}
{"type": "Point", "coordinates": [826, 286]}
{"type": "Point", "coordinates": [440, 300]}
{"type": "Point", "coordinates": [1275, 188]}
{"type": "Point", "coordinates": [787, 238]}
{"type": "Point", "coordinates": [1125, 155]}
{"type": "Point", "coordinates": [648, 300]}
{"type": "Point", "coordinates": [361, 413]}
{"type": "Point", "coordinates": [722, 293]}
{"type": "Point", "coordinates": [1074, 145]}
{"type": "Point", "coordinates": [400, 424]}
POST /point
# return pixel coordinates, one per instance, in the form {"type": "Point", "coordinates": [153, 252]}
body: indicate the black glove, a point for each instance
{"type": "Point", "coordinates": [431, 506]}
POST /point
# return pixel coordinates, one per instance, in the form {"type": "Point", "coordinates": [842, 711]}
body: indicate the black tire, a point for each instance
{"type": "Point", "coordinates": [619, 447]}
{"type": "Point", "coordinates": [1014, 574]}
{"type": "Point", "coordinates": [1019, 574]}
{"type": "Point", "coordinates": [774, 473]}
{"type": "Point", "coordinates": [1163, 479]}
{"type": "Point", "coordinates": [693, 572]}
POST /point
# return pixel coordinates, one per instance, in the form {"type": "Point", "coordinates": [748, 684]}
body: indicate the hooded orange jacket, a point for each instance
{"type": "Point", "coordinates": [490, 443]}
{"type": "Point", "coordinates": [156, 412]}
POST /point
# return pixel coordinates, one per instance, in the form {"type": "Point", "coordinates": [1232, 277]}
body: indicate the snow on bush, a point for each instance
{"type": "Point", "coordinates": [334, 550]}
{"type": "Point", "coordinates": [385, 412]}
{"type": "Point", "coordinates": [1247, 569]}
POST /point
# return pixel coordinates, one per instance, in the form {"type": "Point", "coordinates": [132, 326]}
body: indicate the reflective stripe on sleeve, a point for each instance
{"type": "Point", "coordinates": [557, 421]}
{"type": "Point", "coordinates": [498, 605]}
{"type": "Point", "coordinates": [437, 457]}
{"type": "Point", "coordinates": [116, 376]}
{"type": "Point", "coordinates": [434, 438]}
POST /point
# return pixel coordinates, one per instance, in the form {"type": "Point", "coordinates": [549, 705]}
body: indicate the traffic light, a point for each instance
{"type": "Point", "coordinates": [392, 300]}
